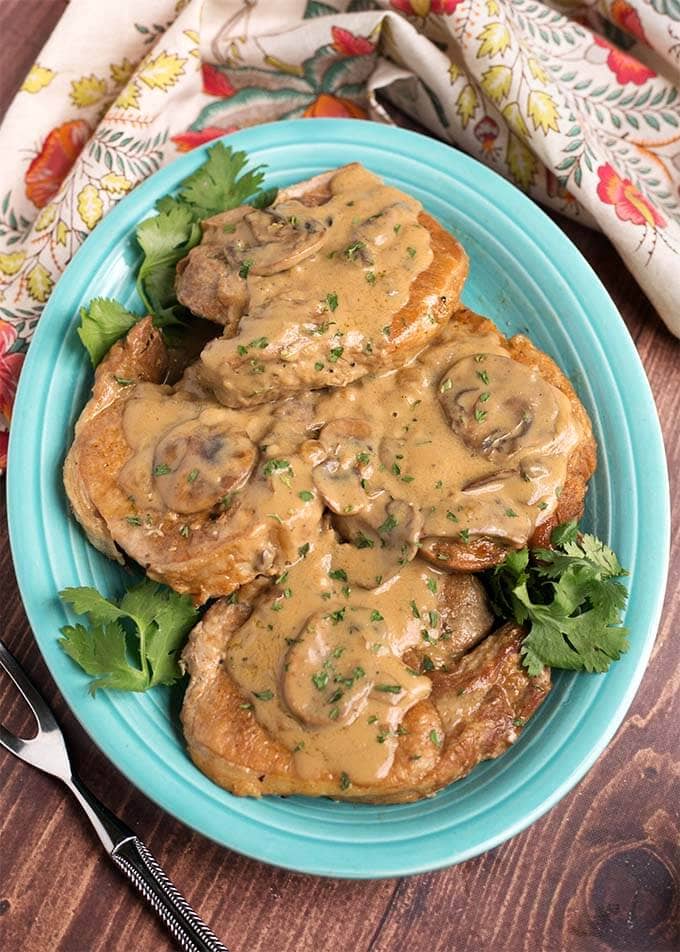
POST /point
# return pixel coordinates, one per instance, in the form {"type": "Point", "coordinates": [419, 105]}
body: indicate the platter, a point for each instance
{"type": "Point", "coordinates": [527, 277]}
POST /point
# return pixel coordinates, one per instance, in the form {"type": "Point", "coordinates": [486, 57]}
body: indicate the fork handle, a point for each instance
{"type": "Point", "coordinates": [190, 933]}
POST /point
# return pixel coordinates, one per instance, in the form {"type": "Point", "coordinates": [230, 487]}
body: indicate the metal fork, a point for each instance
{"type": "Point", "coordinates": [47, 751]}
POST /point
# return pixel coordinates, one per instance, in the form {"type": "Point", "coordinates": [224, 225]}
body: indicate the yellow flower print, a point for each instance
{"type": "Point", "coordinates": [39, 282]}
{"type": "Point", "coordinates": [492, 8]}
{"type": "Point", "coordinates": [116, 184]}
{"type": "Point", "coordinates": [537, 70]}
{"type": "Point", "coordinates": [290, 68]}
{"type": "Point", "coordinates": [521, 162]}
{"type": "Point", "coordinates": [90, 206]}
{"type": "Point", "coordinates": [129, 97]}
{"type": "Point", "coordinates": [466, 104]}
{"type": "Point", "coordinates": [38, 77]}
{"type": "Point", "coordinates": [515, 119]}
{"type": "Point", "coordinates": [454, 73]}
{"type": "Point", "coordinates": [45, 218]}
{"type": "Point", "coordinates": [61, 232]}
{"type": "Point", "coordinates": [163, 71]}
{"type": "Point", "coordinates": [88, 90]}
{"type": "Point", "coordinates": [543, 110]}
{"type": "Point", "coordinates": [11, 263]}
{"type": "Point", "coordinates": [121, 72]}
{"type": "Point", "coordinates": [496, 82]}
{"type": "Point", "coordinates": [495, 38]}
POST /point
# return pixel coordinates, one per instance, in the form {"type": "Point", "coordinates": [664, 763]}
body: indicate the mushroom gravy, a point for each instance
{"type": "Point", "coordinates": [312, 288]}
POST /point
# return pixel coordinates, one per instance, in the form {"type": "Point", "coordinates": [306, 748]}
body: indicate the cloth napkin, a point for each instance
{"type": "Point", "coordinates": [576, 104]}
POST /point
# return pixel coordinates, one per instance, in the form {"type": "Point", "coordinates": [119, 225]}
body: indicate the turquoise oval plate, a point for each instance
{"type": "Point", "coordinates": [526, 276]}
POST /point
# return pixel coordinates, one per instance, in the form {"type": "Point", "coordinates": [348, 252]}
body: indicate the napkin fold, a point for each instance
{"type": "Point", "coordinates": [576, 104]}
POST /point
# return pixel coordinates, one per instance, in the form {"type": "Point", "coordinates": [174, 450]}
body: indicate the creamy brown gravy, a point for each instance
{"type": "Point", "coordinates": [323, 283]}
{"type": "Point", "coordinates": [319, 659]}
{"type": "Point", "coordinates": [193, 462]}
{"type": "Point", "coordinates": [478, 441]}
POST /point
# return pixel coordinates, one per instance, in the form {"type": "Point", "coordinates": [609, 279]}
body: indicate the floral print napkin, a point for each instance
{"type": "Point", "coordinates": [577, 104]}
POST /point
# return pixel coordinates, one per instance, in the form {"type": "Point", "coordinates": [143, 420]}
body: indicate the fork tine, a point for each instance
{"type": "Point", "coordinates": [36, 702]}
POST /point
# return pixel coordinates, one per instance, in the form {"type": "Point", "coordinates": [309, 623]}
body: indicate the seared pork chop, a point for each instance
{"type": "Point", "coordinates": [325, 704]}
{"type": "Point", "coordinates": [478, 446]}
{"type": "Point", "coordinates": [341, 276]}
{"type": "Point", "coordinates": [182, 484]}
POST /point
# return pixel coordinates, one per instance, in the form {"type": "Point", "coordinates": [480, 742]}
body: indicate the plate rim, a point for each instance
{"type": "Point", "coordinates": [325, 130]}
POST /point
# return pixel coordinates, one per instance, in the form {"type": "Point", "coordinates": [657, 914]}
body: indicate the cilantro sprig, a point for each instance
{"type": "Point", "coordinates": [149, 624]}
{"type": "Point", "coordinates": [218, 185]}
{"type": "Point", "coordinates": [165, 238]}
{"type": "Point", "coordinates": [571, 598]}
{"type": "Point", "coordinates": [102, 323]}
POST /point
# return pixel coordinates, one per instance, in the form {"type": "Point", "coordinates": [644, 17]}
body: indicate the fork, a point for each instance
{"type": "Point", "coordinates": [47, 751]}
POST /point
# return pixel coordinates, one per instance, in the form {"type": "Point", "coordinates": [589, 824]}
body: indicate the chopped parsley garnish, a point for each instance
{"type": "Point", "coordinates": [480, 415]}
{"type": "Point", "coordinates": [397, 229]}
{"type": "Point", "coordinates": [184, 531]}
{"type": "Point", "coordinates": [414, 609]}
{"type": "Point", "coordinates": [352, 250]}
{"type": "Point", "coordinates": [446, 385]}
{"type": "Point", "coordinates": [193, 476]}
{"type": "Point", "coordinates": [339, 574]}
{"type": "Point", "coordinates": [389, 688]}
{"type": "Point", "coordinates": [435, 738]}
{"type": "Point", "coordinates": [305, 495]}
{"type": "Point", "coordinates": [331, 301]}
{"type": "Point", "coordinates": [363, 458]}
{"type": "Point", "coordinates": [336, 616]}
{"type": "Point", "coordinates": [318, 365]}
{"type": "Point", "coordinates": [303, 550]}
{"type": "Point", "coordinates": [335, 354]}
{"type": "Point", "coordinates": [371, 277]}
{"type": "Point", "coordinates": [543, 505]}
{"type": "Point", "coordinates": [411, 252]}
{"type": "Point", "coordinates": [510, 513]}
{"type": "Point", "coordinates": [451, 516]}
{"type": "Point", "coordinates": [244, 270]}
{"type": "Point", "coordinates": [263, 695]}
{"type": "Point", "coordinates": [259, 342]}
{"type": "Point", "coordinates": [274, 465]}
{"type": "Point", "coordinates": [320, 680]}
{"type": "Point", "coordinates": [464, 535]}
{"type": "Point", "coordinates": [387, 526]}
{"type": "Point", "coordinates": [432, 585]}
{"type": "Point", "coordinates": [133, 520]}
{"type": "Point", "coordinates": [483, 376]}
{"type": "Point", "coordinates": [345, 782]}
{"type": "Point", "coordinates": [376, 616]}
{"type": "Point", "coordinates": [363, 542]}
{"type": "Point", "coordinates": [162, 469]}
{"type": "Point", "coordinates": [426, 664]}
{"type": "Point", "coordinates": [483, 397]}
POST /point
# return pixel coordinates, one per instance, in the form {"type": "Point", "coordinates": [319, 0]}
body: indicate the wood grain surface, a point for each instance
{"type": "Point", "coordinates": [601, 871]}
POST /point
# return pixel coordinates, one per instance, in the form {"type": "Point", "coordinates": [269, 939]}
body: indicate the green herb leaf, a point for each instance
{"type": "Point", "coordinates": [218, 184]}
{"type": "Point", "coordinates": [571, 599]}
{"type": "Point", "coordinates": [153, 617]}
{"type": "Point", "coordinates": [102, 323]}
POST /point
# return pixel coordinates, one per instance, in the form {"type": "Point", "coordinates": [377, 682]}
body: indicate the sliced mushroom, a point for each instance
{"type": "Point", "coordinates": [331, 670]}
{"type": "Point", "coordinates": [385, 536]}
{"type": "Point", "coordinates": [196, 464]}
{"type": "Point", "coordinates": [350, 460]}
{"type": "Point", "coordinates": [499, 407]}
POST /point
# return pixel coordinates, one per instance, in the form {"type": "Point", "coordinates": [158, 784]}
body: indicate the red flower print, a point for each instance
{"type": "Point", "coordinates": [334, 107]}
{"type": "Point", "coordinates": [52, 164]}
{"type": "Point", "coordinates": [349, 44]}
{"type": "Point", "coordinates": [10, 365]}
{"type": "Point", "coordinates": [7, 336]}
{"type": "Point", "coordinates": [628, 201]}
{"type": "Point", "coordinates": [421, 8]}
{"type": "Point", "coordinates": [626, 68]}
{"type": "Point", "coordinates": [215, 82]}
{"type": "Point", "coordinates": [186, 141]}
{"type": "Point", "coordinates": [486, 132]}
{"type": "Point", "coordinates": [627, 18]}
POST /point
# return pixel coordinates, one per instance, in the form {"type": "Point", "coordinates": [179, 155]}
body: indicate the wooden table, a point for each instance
{"type": "Point", "coordinates": [599, 872]}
